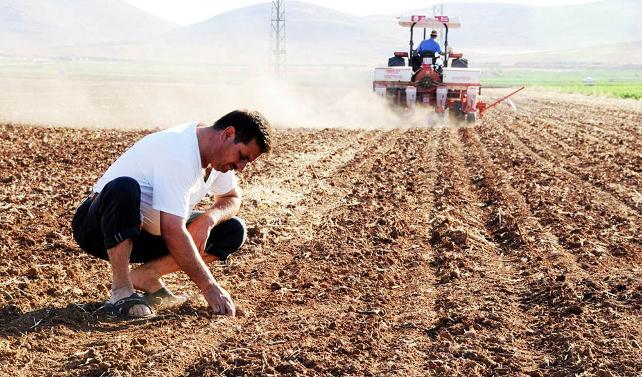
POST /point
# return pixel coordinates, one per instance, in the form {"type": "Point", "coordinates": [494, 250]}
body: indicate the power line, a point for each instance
{"type": "Point", "coordinates": [277, 38]}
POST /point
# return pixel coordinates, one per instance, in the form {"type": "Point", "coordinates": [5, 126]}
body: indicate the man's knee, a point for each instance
{"type": "Point", "coordinates": [119, 200]}
{"type": "Point", "coordinates": [239, 232]}
{"type": "Point", "coordinates": [118, 210]}
{"type": "Point", "coordinates": [122, 186]}
{"type": "Point", "coordinates": [235, 233]}
{"type": "Point", "coordinates": [226, 238]}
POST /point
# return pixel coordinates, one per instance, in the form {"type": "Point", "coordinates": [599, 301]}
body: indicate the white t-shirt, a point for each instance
{"type": "Point", "coordinates": [167, 166]}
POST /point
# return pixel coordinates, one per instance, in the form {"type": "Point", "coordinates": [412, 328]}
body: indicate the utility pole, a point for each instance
{"type": "Point", "coordinates": [277, 37]}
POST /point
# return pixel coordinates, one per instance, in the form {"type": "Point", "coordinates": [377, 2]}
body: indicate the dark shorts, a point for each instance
{"type": "Point", "coordinates": [112, 216]}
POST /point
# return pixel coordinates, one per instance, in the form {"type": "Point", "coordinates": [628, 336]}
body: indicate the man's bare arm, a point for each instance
{"type": "Point", "coordinates": [224, 208]}
{"type": "Point", "coordinates": [182, 248]}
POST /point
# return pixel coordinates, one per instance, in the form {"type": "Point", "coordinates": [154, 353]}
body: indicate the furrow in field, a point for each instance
{"type": "Point", "coordinates": [318, 195]}
{"type": "Point", "coordinates": [593, 168]}
{"type": "Point", "coordinates": [579, 288]}
{"type": "Point", "coordinates": [533, 252]}
{"type": "Point", "coordinates": [609, 151]}
{"type": "Point", "coordinates": [618, 124]}
{"type": "Point", "coordinates": [477, 294]}
{"type": "Point", "coordinates": [519, 241]}
{"type": "Point", "coordinates": [592, 221]}
{"type": "Point", "coordinates": [409, 280]}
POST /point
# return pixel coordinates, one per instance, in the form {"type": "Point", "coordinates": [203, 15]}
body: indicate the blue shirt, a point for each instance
{"type": "Point", "coordinates": [430, 45]}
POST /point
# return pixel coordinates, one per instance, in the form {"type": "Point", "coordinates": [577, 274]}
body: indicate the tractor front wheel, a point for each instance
{"type": "Point", "coordinates": [471, 117]}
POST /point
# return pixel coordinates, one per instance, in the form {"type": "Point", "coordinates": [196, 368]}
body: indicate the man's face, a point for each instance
{"type": "Point", "coordinates": [234, 156]}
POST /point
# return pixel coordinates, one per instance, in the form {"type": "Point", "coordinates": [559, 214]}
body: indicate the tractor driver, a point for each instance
{"type": "Point", "coordinates": [430, 45]}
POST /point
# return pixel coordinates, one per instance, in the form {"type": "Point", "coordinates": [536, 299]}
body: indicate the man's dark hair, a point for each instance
{"type": "Point", "coordinates": [248, 125]}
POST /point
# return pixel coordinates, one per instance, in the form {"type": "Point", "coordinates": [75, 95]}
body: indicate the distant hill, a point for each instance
{"type": "Point", "coordinates": [524, 28]}
{"type": "Point", "coordinates": [315, 35]}
{"type": "Point", "coordinates": [318, 35]}
{"type": "Point", "coordinates": [37, 25]}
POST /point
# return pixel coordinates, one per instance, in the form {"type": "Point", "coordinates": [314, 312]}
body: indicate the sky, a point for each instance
{"type": "Point", "coordinates": [185, 12]}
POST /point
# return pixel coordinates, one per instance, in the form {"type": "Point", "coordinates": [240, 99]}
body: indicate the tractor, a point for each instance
{"type": "Point", "coordinates": [427, 78]}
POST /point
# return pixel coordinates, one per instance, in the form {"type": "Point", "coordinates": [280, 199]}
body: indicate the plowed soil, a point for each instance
{"type": "Point", "coordinates": [509, 248]}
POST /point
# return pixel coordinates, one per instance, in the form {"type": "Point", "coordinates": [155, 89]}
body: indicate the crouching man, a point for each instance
{"type": "Point", "coordinates": [141, 210]}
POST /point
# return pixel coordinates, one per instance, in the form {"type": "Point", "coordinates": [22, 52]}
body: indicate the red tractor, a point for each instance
{"type": "Point", "coordinates": [427, 78]}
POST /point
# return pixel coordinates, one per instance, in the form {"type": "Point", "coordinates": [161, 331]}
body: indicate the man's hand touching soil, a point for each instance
{"type": "Point", "coordinates": [220, 300]}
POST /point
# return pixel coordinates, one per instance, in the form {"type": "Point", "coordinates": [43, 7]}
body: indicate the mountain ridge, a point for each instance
{"type": "Point", "coordinates": [320, 35]}
{"type": "Point", "coordinates": [35, 25]}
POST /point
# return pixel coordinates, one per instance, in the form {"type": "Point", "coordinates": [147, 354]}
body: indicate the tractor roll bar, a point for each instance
{"type": "Point", "coordinates": [412, 27]}
{"type": "Point", "coordinates": [446, 46]}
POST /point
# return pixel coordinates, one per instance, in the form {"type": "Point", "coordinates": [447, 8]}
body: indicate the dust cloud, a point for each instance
{"type": "Point", "coordinates": [306, 97]}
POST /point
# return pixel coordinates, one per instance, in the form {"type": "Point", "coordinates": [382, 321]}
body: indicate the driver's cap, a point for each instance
{"type": "Point", "coordinates": [433, 33]}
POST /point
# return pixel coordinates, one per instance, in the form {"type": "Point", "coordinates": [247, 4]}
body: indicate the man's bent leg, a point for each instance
{"type": "Point", "coordinates": [104, 226]}
{"type": "Point", "coordinates": [119, 207]}
{"type": "Point", "coordinates": [224, 239]}
{"type": "Point", "coordinates": [121, 285]}
{"type": "Point", "coordinates": [148, 277]}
